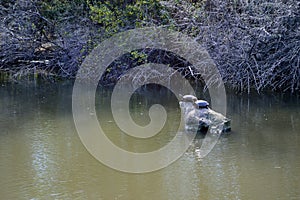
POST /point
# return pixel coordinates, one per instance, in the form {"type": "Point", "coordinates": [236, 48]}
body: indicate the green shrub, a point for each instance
{"type": "Point", "coordinates": [59, 9]}
{"type": "Point", "coordinates": [120, 14]}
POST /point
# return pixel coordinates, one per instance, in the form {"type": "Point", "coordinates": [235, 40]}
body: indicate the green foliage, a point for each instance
{"type": "Point", "coordinates": [116, 15]}
{"type": "Point", "coordinates": [105, 17]}
{"type": "Point", "coordinates": [138, 56]}
{"type": "Point", "coordinates": [57, 9]}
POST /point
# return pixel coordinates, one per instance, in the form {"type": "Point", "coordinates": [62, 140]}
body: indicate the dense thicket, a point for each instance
{"type": "Point", "coordinates": [255, 43]}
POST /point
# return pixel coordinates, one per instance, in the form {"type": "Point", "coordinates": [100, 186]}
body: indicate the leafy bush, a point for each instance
{"type": "Point", "coordinates": [120, 15]}
{"type": "Point", "coordinates": [58, 9]}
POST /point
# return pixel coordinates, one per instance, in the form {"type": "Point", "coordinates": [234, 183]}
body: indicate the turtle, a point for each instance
{"type": "Point", "coordinates": [189, 98]}
{"type": "Point", "coordinates": [199, 104]}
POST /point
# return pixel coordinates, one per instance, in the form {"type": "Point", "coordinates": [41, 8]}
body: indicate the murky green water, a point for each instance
{"type": "Point", "coordinates": [41, 156]}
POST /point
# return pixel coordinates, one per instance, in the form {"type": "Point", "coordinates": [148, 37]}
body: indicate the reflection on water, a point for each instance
{"type": "Point", "coordinates": [41, 156]}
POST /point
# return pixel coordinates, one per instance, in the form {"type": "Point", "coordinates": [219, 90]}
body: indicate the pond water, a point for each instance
{"type": "Point", "coordinates": [42, 157]}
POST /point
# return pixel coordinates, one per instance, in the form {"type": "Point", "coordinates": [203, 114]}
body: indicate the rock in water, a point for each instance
{"type": "Point", "coordinates": [198, 116]}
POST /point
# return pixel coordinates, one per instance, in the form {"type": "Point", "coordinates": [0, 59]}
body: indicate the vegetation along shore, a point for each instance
{"type": "Point", "coordinates": [254, 43]}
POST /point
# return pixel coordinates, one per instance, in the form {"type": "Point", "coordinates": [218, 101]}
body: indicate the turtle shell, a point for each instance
{"type": "Point", "coordinates": [202, 103]}
{"type": "Point", "coordinates": [189, 98]}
